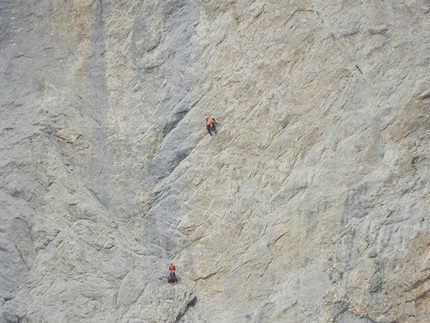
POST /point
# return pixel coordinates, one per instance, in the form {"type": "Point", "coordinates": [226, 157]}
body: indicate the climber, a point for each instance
{"type": "Point", "coordinates": [211, 125]}
{"type": "Point", "coordinates": [171, 277]}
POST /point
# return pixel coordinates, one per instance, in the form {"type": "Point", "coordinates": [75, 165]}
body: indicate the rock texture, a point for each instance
{"type": "Point", "coordinates": [311, 204]}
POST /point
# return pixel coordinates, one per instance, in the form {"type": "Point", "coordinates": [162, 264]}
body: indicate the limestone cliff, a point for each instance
{"type": "Point", "coordinates": [311, 204]}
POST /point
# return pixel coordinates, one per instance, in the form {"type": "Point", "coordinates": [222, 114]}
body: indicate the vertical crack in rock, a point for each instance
{"type": "Point", "coordinates": [176, 129]}
{"type": "Point", "coordinates": [96, 104]}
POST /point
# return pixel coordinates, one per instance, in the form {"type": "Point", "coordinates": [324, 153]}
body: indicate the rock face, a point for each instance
{"type": "Point", "coordinates": [311, 204]}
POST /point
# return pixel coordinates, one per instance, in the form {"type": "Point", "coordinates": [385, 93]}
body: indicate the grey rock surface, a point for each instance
{"type": "Point", "coordinates": [311, 204]}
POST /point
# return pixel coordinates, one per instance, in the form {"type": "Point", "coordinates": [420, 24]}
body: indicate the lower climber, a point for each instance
{"type": "Point", "coordinates": [171, 277]}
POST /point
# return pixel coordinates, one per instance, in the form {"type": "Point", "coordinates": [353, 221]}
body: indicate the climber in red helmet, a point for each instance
{"type": "Point", "coordinates": [172, 266]}
{"type": "Point", "coordinates": [171, 278]}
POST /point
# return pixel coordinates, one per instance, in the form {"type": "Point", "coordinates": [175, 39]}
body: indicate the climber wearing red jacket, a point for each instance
{"type": "Point", "coordinates": [211, 125]}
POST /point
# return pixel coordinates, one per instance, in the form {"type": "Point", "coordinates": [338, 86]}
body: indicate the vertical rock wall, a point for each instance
{"type": "Point", "coordinates": [309, 205]}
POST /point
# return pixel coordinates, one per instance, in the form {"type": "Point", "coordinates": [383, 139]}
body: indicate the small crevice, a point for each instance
{"type": "Point", "coordinates": [425, 96]}
{"type": "Point", "coordinates": [296, 11]}
{"type": "Point", "coordinates": [208, 276]}
{"type": "Point", "coordinates": [378, 31]}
